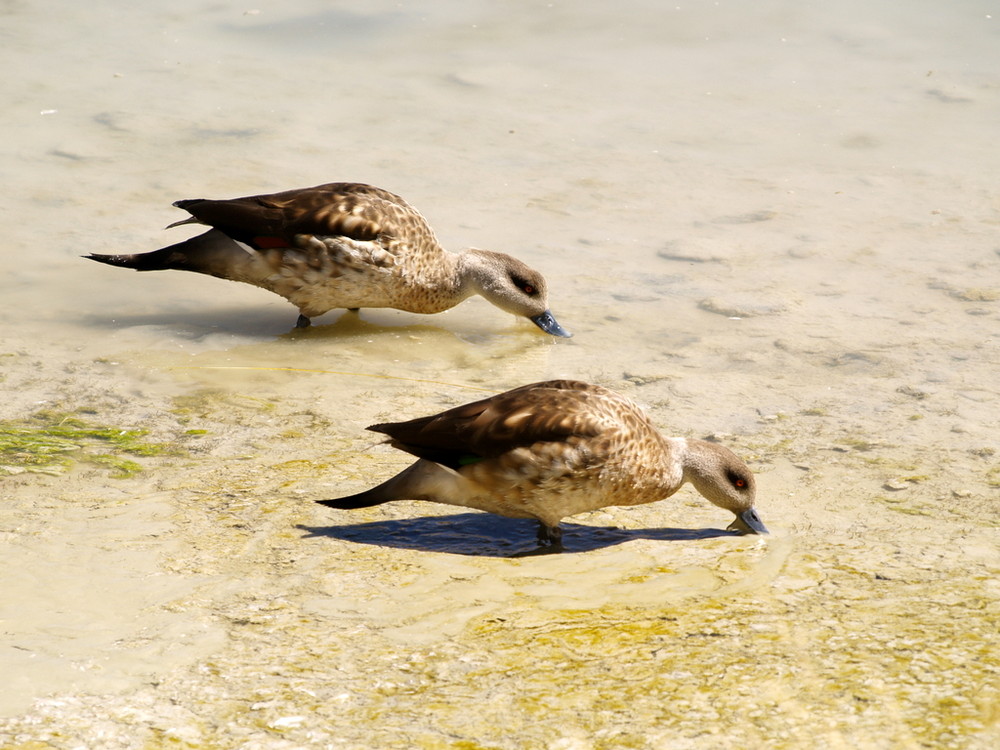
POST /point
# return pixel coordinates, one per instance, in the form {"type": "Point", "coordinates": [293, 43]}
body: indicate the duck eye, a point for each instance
{"type": "Point", "coordinates": [738, 481]}
{"type": "Point", "coordinates": [524, 286]}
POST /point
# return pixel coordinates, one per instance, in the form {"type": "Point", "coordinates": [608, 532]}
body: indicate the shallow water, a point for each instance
{"type": "Point", "coordinates": [773, 222]}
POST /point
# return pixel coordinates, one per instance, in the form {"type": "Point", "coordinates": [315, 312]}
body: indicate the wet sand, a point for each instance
{"type": "Point", "coordinates": [776, 226]}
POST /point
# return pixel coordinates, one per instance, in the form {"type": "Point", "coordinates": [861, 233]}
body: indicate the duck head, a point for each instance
{"type": "Point", "coordinates": [511, 285]}
{"type": "Point", "coordinates": [725, 480]}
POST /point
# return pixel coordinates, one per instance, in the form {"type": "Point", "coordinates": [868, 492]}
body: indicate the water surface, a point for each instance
{"type": "Point", "coordinates": [773, 222]}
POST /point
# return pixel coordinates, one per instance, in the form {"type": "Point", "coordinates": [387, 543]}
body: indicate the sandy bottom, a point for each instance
{"type": "Point", "coordinates": [206, 601]}
{"type": "Point", "coordinates": [772, 223]}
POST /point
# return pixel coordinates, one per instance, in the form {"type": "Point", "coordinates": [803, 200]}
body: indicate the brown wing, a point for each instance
{"type": "Point", "coordinates": [347, 209]}
{"type": "Point", "coordinates": [541, 412]}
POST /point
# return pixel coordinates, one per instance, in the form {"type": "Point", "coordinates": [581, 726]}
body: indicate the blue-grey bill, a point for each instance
{"type": "Point", "coordinates": [748, 522]}
{"type": "Point", "coordinates": [547, 323]}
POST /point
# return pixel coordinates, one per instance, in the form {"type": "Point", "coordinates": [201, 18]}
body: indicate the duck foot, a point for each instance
{"type": "Point", "coordinates": [550, 537]}
{"type": "Point", "coordinates": [303, 321]}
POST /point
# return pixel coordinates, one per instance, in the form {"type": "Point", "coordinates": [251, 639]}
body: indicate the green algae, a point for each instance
{"type": "Point", "coordinates": [296, 470]}
{"type": "Point", "coordinates": [215, 403]}
{"type": "Point", "coordinates": [53, 442]}
{"type": "Point", "coordinates": [815, 411]}
{"type": "Point", "coordinates": [859, 444]}
{"type": "Point", "coordinates": [683, 672]}
{"type": "Point", "coordinates": [902, 504]}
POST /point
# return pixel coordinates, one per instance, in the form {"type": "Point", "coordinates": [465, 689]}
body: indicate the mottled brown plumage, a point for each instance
{"type": "Point", "coordinates": [553, 449]}
{"type": "Point", "coordinates": [344, 245]}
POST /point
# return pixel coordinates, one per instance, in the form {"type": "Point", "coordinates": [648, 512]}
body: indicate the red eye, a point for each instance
{"type": "Point", "coordinates": [528, 289]}
{"type": "Point", "coordinates": [740, 483]}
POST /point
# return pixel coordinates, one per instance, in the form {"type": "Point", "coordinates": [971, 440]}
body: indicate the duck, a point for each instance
{"type": "Point", "coordinates": [343, 245]}
{"type": "Point", "coordinates": [553, 449]}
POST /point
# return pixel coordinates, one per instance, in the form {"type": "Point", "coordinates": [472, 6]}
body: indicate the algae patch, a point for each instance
{"type": "Point", "coordinates": [51, 443]}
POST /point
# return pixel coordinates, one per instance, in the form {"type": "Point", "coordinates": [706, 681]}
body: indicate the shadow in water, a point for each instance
{"type": "Point", "coordinates": [256, 321]}
{"type": "Point", "coordinates": [356, 324]}
{"type": "Point", "coordinates": [486, 535]}
{"type": "Point", "coordinates": [265, 322]}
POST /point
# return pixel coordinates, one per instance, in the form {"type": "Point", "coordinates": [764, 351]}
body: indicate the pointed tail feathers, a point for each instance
{"type": "Point", "coordinates": [157, 260]}
{"type": "Point", "coordinates": [422, 480]}
{"type": "Point", "coordinates": [365, 499]}
{"type": "Point", "coordinates": [211, 253]}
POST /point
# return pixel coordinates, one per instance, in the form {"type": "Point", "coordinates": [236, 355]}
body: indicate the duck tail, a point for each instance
{"type": "Point", "coordinates": [212, 253]}
{"type": "Point", "coordinates": [365, 499]}
{"type": "Point", "coordinates": [157, 260]}
{"type": "Point", "coordinates": [423, 480]}
{"type": "Point", "coordinates": [396, 488]}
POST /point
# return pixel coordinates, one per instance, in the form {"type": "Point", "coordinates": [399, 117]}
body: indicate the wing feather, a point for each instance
{"type": "Point", "coordinates": [550, 411]}
{"type": "Point", "coordinates": [360, 212]}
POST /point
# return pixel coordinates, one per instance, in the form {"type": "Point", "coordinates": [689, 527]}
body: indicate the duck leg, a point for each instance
{"type": "Point", "coordinates": [550, 536]}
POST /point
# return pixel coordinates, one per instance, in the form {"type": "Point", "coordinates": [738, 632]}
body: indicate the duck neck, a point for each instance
{"type": "Point", "coordinates": [472, 272]}
{"type": "Point", "coordinates": [695, 463]}
{"type": "Point", "coordinates": [674, 471]}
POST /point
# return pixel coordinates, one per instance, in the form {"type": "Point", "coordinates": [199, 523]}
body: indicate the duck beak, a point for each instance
{"type": "Point", "coordinates": [747, 522]}
{"type": "Point", "coordinates": [547, 323]}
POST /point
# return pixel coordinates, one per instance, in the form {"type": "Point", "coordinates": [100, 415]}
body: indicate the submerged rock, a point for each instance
{"type": "Point", "coordinates": [739, 306]}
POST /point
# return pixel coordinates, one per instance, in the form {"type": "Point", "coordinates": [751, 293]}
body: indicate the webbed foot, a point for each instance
{"type": "Point", "coordinates": [550, 536]}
